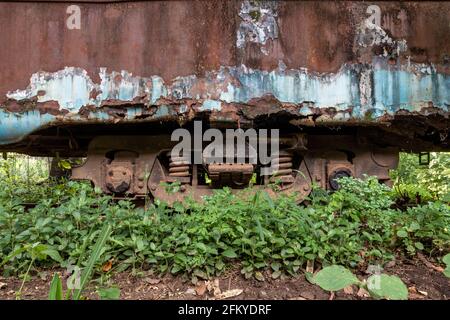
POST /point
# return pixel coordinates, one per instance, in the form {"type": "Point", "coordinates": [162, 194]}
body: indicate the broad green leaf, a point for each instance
{"type": "Point", "coordinates": [176, 268]}
{"type": "Point", "coordinates": [402, 233]}
{"type": "Point", "coordinates": [219, 265]}
{"type": "Point", "coordinates": [334, 278]}
{"type": "Point", "coordinates": [414, 226]}
{"type": "Point", "coordinates": [387, 287]}
{"type": "Point", "coordinates": [54, 254]}
{"type": "Point", "coordinates": [447, 272]}
{"type": "Point", "coordinates": [14, 254]}
{"type": "Point", "coordinates": [275, 266]}
{"type": "Point", "coordinates": [64, 164]}
{"type": "Point", "coordinates": [310, 277]}
{"type": "Point", "coordinates": [446, 259]}
{"type": "Point", "coordinates": [200, 274]}
{"type": "Point", "coordinates": [276, 274]}
{"type": "Point", "coordinates": [37, 251]}
{"type": "Point", "coordinates": [229, 253]}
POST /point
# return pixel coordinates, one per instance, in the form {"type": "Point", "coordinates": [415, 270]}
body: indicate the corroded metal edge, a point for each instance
{"type": "Point", "coordinates": [361, 94]}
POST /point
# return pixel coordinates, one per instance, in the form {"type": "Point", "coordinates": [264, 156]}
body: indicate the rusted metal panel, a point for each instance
{"type": "Point", "coordinates": [322, 63]}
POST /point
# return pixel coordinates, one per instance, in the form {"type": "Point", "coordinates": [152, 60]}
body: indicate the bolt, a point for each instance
{"type": "Point", "coordinates": [140, 185]}
{"type": "Point", "coordinates": [182, 188]}
{"type": "Point", "coordinates": [306, 188]}
{"type": "Point", "coordinates": [153, 187]}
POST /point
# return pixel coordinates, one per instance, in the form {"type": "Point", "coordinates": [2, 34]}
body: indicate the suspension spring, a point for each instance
{"type": "Point", "coordinates": [178, 166]}
{"type": "Point", "coordinates": [284, 172]}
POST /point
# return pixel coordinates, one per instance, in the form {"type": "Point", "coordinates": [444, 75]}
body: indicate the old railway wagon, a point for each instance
{"type": "Point", "coordinates": [349, 84]}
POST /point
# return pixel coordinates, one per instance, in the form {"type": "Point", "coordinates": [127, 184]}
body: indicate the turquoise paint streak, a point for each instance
{"type": "Point", "coordinates": [14, 128]}
{"type": "Point", "coordinates": [397, 89]}
{"type": "Point", "coordinates": [210, 105]}
{"type": "Point", "coordinates": [158, 89]}
{"type": "Point", "coordinates": [293, 87]}
{"type": "Point", "coordinates": [71, 91]}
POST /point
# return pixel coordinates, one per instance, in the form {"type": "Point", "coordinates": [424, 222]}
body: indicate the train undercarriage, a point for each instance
{"type": "Point", "coordinates": [348, 84]}
{"type": "Point", "coordinates": [134, 160]}
{"type": "Point", "coordinates": [138, 166]}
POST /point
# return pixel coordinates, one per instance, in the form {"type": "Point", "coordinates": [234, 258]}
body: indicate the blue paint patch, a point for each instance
{"type": "Point", "coordinates": [397, 89]}
{"type": "Point", "coordinates": [158, 89]}
{"type": "Point", "coordinates": [292, 87]}
{"type": "Point", "coordinates": [162, 111]}
{"type": "Point", "coordinates": [210, 105]}
{"type": "Point", "coordinates": [14, 127]}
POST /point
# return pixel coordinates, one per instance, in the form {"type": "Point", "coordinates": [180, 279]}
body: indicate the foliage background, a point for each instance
{"type": "Point", "coordinates": [364, 222]}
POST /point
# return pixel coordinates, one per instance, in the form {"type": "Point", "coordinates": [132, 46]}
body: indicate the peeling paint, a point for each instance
{"type": "Point", "coordinates": [14, 127]}
{"type": "Point", "coordinates": [70, 87]}
{"type": "Point", "coordinates": [210, 105]}
{"type": "Point", "coordinates": [370, 34]}
{"type": "Point", "coordinates": [259, 23]}
{"type": "Point", "coordinates": [356, 92]}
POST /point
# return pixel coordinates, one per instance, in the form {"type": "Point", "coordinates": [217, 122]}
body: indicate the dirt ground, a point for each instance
{"type": "Point", "coordinates": [423, 279]}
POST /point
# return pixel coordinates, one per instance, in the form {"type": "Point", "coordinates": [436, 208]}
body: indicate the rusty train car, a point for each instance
{"type": "Point", "coordinates": [348, 83]}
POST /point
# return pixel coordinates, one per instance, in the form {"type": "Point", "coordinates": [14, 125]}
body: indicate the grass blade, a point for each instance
{"type": "Point", "coordinates": [95, 255]}
{"type": "Point", "coordinates": [55, 288]}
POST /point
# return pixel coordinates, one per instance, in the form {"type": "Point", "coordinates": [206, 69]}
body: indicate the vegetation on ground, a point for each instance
{"type": "Point", "coordinates": [363, 223]}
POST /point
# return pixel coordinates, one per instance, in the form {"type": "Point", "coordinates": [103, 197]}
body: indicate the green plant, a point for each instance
{"type": "Point", "coordinates": [56, 291]}
{"type": "Point", "coordinates": [384, 286]}
{"type": "Point", "coordinates": [424, 183]}
{"type": "Point", "coordinates": [37, 251]}
{"type": "Point", "coordinates": [446, 260]}
{"type": "Point", "coordinates": [354, 226]}
{"type": "Point", "coordinates": [334, 278]}
{"type": "Point", "coordinates": [95, 255]}
{"type": "Point", "coordinates": [171, 187]}
{"type": "Point", "coordinates": [380, 286]}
